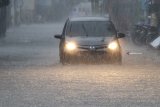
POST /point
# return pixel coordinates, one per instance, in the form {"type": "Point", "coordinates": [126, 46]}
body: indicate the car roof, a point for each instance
{"type": "Point", "coordinates": [89, 19]}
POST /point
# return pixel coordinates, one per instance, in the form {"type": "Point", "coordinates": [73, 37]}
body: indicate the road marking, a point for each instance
{"type": "Point", "coordinates": [134, 53]}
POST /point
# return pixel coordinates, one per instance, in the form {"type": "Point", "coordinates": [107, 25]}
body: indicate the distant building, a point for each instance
{"type": "Point", "coordinates": [22, 11]}
{"type": "Point", "coordinates": [34, 10]}
{"type": "Point", "coordinates": [82, 9]}
{"type": "Point", "coordinates": [28, 4]}
{"type": "Point", "coordinates": [42, 9]}
{"type": "Point", "coordinates": [28, 11]}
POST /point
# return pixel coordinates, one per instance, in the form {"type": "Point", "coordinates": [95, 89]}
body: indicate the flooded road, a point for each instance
{"type": "Point", "coordinates": [31, 75]}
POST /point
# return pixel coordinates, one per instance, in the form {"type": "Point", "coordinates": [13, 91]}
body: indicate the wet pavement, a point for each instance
{"type": "Point", "coordinates": [31, 75]}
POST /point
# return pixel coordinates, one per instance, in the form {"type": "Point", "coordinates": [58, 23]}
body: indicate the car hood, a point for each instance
{"type": "Point", "coordinates": [90, 40]}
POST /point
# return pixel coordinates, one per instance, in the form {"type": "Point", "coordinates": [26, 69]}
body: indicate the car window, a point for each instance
{"type": "Point", "coordinates": [90, 28]}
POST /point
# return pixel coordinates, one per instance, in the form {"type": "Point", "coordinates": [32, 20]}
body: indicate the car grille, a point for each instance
{"type": "Point", "coordinates": [92, 47]}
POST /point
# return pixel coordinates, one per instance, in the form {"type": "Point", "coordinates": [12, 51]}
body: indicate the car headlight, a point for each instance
{"type": "Point", "coordinates": [70, 46]}
{"type": "Point", "coordinates": [113, 46]}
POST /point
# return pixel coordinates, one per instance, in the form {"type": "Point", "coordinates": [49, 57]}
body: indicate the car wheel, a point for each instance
{"type": "Point", "coordinates": [65, 59]}
{"type": "Point", "coordinates": [116, 59]}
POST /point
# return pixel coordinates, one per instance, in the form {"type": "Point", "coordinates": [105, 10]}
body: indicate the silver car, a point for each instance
{"type": "Point", "coordinates": [90, 38]}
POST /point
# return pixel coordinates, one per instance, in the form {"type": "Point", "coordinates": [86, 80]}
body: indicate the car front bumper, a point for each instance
{"type": "Point", "coordinates": [92, 53]}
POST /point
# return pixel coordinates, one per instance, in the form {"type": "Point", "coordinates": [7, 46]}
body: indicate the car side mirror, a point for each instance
{"type": "Point", "coordinates": [58, 36]}
{"type": "Point", "coordinates": [121, 35]}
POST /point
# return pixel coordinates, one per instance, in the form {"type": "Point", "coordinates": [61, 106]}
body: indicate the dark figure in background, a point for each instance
{"type": "Point", "coordinates": [3, 17]}
{"type": "Point", "coordinates": [3, 22]}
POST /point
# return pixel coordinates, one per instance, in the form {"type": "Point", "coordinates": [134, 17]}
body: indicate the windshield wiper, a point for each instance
{"type": "Point", "coordinates": [85, 30]}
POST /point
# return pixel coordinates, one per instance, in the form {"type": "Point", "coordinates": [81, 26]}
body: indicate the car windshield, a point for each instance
{"type": "Point", "coordinates": [90, 28]}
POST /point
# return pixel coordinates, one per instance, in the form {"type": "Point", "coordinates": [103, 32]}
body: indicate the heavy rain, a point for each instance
{"type": "Point", "coordinates": [79, 53]}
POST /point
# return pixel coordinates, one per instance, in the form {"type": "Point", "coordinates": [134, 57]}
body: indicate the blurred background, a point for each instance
{"type": "Point", "coordinates": [124, 13]}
